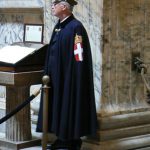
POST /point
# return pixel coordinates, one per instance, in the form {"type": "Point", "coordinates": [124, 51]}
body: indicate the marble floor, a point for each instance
{"type": "Point", "coordinates": [33, 148]}
{"type": "Point", "coordinates": [37, 148]}
{"type": "Point", "coordinates": [40, 148]}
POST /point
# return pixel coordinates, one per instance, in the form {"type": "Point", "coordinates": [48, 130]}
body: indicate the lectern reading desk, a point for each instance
{"type": "Point", "coordinates": [21, 65]}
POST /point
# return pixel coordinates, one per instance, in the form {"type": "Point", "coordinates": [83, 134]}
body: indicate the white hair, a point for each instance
{"type": "Point", "coordinates": [67, 5]}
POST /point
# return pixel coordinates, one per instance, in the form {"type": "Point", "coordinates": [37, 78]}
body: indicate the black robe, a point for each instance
{"type": "Point", "coordinates": [72, 111]}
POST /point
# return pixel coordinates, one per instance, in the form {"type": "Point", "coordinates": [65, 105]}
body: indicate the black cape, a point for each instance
{"type": "Point", "coordinates": [72, 112]}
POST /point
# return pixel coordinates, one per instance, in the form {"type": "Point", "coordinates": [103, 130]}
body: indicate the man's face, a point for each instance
{"type": "Point", "coordinates": [57, 8]}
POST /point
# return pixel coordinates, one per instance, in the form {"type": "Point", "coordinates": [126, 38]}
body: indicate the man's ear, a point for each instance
{"type": "Point", "coordinates": [64, 7]}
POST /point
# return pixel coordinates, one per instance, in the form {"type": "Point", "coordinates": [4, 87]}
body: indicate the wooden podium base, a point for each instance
{"type": "Point", "coordinates": [18, 127]}
{"type": "Point", "coordinates": [10, 145]}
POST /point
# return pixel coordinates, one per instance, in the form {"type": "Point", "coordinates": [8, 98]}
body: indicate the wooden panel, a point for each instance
{"type": "Point", "coordinates": [21, 79]}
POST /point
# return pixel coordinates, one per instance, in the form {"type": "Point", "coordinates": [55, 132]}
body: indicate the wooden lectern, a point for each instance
{"type": "Point", "coordinates": [18, 77]}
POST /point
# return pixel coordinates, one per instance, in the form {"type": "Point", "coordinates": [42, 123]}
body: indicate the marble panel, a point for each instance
{"type": "Point", "coordinates": [21, 4]}
{"type": "Point", "coordinates": [11, 29]}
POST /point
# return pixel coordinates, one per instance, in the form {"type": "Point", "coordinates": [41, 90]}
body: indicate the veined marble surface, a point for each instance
{"type": "Point", "coordinates": [12, 23]}
{"type": "Point", "coordinates": [91, 16]}
{"type": "Point", "coordinates": [89, 12]}
{"type": "Point", "coordinates": [11, 29]}
{"type": "Point", "coordinates": [21, 4]}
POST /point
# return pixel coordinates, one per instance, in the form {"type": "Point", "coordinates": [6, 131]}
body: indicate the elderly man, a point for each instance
{"type": "Point", "coordinates": [72, 112]}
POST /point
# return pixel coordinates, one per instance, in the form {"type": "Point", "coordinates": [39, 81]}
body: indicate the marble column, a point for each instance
{"type": "Point", "coordinates": [125, 33]}
{"type": "Point", "coordinates": [125, 114]}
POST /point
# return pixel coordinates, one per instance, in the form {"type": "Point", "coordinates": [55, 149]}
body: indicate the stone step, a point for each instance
{"type": "Point", "coordinates": [136, 143]}
{"type": "Point", "coordinates": [131, 143]}
{"type": "Point", "coordinates": [124, 132]}
{"type": "Point", "coordinates": [33, 148]}
{"type": "Point", "coordinates": [94, 147]}
{"type": "Point", "coordinates": [143, 148]}
{"type": "Point", "coordinates": [124, 120]}
{"type": "Point", "coordinates": [91, 146]}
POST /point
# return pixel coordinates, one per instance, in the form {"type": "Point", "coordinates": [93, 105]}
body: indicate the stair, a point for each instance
{"type": "Point", "coordinates": [125, 131]}
{"type": "Point", "coordinates": [131, 143]}
{"type": "Point", "coordinates": [144, 148]}
{"type": "Point", "coordinates": [130, 131]}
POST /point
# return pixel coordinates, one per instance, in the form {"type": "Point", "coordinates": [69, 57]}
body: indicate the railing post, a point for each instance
{"type": "Point", "coordinates": [46, 80]}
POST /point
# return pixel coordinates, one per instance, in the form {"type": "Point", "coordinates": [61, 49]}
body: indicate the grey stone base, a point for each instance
{"type": "Point", "coordinates": [137, 142]}
{"type": "Point", "coordinates": [9, 145]}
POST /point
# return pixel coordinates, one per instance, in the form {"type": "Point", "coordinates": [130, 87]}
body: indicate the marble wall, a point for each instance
{"type": "Point", "coordinates": [13, 15]}
{"type": "Point", "coordinates": [11, 29]}
{"type": "Point", "coordinates": [21, 4]}
{"type": "Point", "coordinates": [89, 12]}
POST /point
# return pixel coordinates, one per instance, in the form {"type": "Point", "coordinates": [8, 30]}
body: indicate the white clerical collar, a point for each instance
{"type": "Point", "coordinates": [65, 19]}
